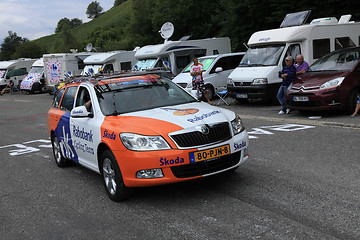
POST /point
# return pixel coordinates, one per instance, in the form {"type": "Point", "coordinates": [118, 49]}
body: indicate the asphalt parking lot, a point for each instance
{"type": "Point", "coordinates": [301, 182]}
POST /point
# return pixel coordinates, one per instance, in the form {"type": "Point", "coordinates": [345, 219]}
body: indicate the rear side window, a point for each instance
{"type": "Point", "coordinates": [68, 99]}
{"type": "Point", "coordinates": [57, 99]}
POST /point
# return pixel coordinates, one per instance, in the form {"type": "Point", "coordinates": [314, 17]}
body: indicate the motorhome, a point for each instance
{"type": "Point", "coordinates": [110, 62]}
{"type": "Point", "coordinates": [14, 70]}
{"type": "Point", "coordinates": [58, 65]}
{"type": "Point", "coordinates": [174, 56]}
{"type": "Point", "coordinates": [257, 74]}
{"type": "Point", "coordinates": [35, 80]}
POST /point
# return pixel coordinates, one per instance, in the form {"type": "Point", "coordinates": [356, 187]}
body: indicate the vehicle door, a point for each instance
{"type": "Point", "coordinates": [62, 116]}
{"type": "Point", "coordinates": [293, 50]}
{"type": "Point", "coordinates": [86, 130]}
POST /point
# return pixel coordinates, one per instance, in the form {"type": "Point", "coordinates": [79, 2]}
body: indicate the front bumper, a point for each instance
{"type": "Point", "coordinates": [247, 91]}
{"type": "Point", "coordinates": [175, 163]}
{"type": "Point", "coordinates": [315, 100]}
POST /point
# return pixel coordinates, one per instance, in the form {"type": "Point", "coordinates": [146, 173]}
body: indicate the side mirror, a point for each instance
{"type": "Point", "coordinates": [218, 69]}
{"type": "Point", "coordinates": [81, 112]}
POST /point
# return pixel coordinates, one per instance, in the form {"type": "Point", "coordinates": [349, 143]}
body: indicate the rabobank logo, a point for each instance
{"type": "Point", "coordinates": [264, 39]}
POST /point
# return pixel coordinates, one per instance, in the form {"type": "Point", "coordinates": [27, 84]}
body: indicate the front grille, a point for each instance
{"type": "Point", "coordinates": [217, 133]}
{"type": "Point", "coordinates": [206, 167]}
{"type": "Point", "coordinates": [240, 84]}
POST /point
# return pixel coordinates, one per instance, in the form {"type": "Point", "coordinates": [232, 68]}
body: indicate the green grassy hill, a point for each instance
{"type": "Point", "coordinates": [104, 31]}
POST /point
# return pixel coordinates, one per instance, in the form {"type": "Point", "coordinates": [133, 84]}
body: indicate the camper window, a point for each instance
{"type": "Point", "coordinates": [321, 47]}
{"type": "Point", "coordinates": [343, 42]}
{"type": "Point", "coordinates": [125, 66]}
{"type": "Point", "coordinates": [182, 61]}
{"type": "Point", "coordinates": [109, 68]}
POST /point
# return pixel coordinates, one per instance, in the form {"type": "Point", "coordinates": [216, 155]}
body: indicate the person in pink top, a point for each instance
{"type": "Point", "coordinates": [197, 80]}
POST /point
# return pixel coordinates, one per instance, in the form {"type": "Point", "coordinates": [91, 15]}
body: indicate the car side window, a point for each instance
{"type": "Point", "coordinates": [68, 99]}
{"type": "Point", "coordinates": [220, 63]}
{"type": "Point", "coordinates": [57, 99]}
{"type": "Point", "coordinates": [83, 97]}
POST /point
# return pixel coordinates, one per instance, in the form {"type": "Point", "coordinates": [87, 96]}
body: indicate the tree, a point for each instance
{"type": "Point", "coordinates": [9, 45]}
{"type": "Point", "coordinates": [75, 22]}
{"type": "Point", "coordinates": [28, 49]}
{"type": "Point", "coordinates": [63, 25]}
{"type": "Point", "coordinates": [94, 10]}
{"type": "Point", "coordinates": [118, 2]}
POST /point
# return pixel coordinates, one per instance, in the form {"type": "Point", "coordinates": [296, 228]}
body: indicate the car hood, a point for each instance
{"type": "Point", "coordinates": [247, 74]}
{"type": "Point", "coordinates": [315, 79]}
{"type": "Point", "coordinates": [182, 78]}
{"type": "Point", "coordinates": [165, 120]}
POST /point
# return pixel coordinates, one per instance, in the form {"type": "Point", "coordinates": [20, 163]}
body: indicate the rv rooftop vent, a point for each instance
{"type": "Point", "coordinates": [345, 19]}
{"type": "Point", "coordinates": [295, 19]}
{"type": "Point", "coordinates": [324, 21]}
{"type": "Point", "coordinates": [185, 38]}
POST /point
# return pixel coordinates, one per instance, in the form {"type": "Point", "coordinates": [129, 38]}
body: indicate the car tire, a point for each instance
{"type": "Point", "coordinates": [351, 104]}
{"type": "Point", "coordinates": [112, 178]}
{"type": "Point", "coordinates": [59, 159]}
{"type": "Point", "coordinates": [210, 91]}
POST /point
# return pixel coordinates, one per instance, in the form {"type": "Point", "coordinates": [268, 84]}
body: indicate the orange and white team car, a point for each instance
{"type": "Point", "coordinates": [143, 130]}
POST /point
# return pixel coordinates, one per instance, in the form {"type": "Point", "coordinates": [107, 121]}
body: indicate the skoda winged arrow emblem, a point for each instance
{"type": "Point", "coordinates": [205, 130]}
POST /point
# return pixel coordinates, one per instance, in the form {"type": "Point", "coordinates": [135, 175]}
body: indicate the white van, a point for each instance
{"type": "Point", "coordinates": [110, 62]}
{"type": "Point", "coordinates": [175, 55]}
{"type": "Point", "coordinates": [57, 65]}
{"type": "Point", "coordinates": [216, 71]}
{"type": "Point", "coordinates": [35, 80]}
{"type": "Point", "coordinates": [257, 74]}
{"type": "Point", "coordinates": [14, 70]}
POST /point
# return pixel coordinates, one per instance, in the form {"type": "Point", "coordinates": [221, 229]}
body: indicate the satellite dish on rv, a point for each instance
{"type": "Point", "coordinates": [167, 30]}
{"type": "Point", "coordinates": [89, 47]}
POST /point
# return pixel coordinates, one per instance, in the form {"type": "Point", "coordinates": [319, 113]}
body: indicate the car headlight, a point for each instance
{"type": "Point", "coordinates": [258, 81]}
{"type": "Point", "coordinates": [138, 142]}
{"type": "Point", "coordinates": [230, 81]}
{"type": "Point", "coordinates": [237, 125]}
{"type": "Point", "coordinates": [332, 83]}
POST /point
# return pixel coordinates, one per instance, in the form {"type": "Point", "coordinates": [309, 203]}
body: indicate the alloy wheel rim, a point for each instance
{"type": "Point", "coordinates": [109, 176]}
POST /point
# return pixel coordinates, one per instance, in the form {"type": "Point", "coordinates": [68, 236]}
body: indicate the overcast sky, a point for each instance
{"type": "Point", "coordinates": [33, 19]}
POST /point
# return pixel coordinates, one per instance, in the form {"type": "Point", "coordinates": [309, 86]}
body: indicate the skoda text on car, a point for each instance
{"type": "Point", "coordinates": [143, 130]}
{"type": "Point", "coordinates": [332, 82]}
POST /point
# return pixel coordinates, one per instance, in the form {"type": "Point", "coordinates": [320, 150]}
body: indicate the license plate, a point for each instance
{"type": "Point", "coordinates": [209, 153]}
{"type": "Point", "coordinates": [238, 95]}
{"type": "Point", "coordinates": [300, 99]}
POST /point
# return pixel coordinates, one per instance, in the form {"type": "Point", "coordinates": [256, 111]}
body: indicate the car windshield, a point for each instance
{"type": "Point", "coordinates": [145, 64]}
{"type": "Point", "coordinates": [206, 62]}
{"type": "Point", "coordinates": [36, 70]}
{"type": "Point", "coordinates": [337, 61]}
{"type": "Point", "coordinates": [140, 93]}
{"type": "Point", "coordinates": [262, 56]}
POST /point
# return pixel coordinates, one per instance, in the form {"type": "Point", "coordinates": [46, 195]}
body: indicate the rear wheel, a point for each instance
{"type": "Point", "coordinates": [351, 104]}
{"type": "Point", "coordinates": [113, 181]}
{"type": "Point", "coordinates": [59, 159]}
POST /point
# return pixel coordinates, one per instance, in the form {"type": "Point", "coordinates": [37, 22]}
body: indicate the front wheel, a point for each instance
{"type": "Point", "coordinates": [351, 104]}
{"type": "Point", "coordinates": [113, 181]}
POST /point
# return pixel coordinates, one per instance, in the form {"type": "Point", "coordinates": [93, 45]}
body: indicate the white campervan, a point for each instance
{"type": "Point", "coordinates": [14, 70]}
{"type": "Point", "coordinates": [110, 62]}
{"type": "Point", "coordinates": [35, 80]}
{"type": "Point", "coordinates": [175, 55]}
{"type": "Point", "coordinates": [216, 71]}
{"type": "Point", "coordinates": [257, 74]}
{"type": "Point", "coordinates": [57, 65]}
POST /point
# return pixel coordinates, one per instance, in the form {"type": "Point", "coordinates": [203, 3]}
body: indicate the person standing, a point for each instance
{"type": "Point", "coordinates": [300, 65]}
{"type": "Point", "coordinates": [197, 79]}
{"type": "Point", "coordinates": [288, 75]}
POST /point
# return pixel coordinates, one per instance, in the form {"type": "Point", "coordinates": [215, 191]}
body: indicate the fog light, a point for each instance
{"type": "Point", "coordinates": [150, 173]}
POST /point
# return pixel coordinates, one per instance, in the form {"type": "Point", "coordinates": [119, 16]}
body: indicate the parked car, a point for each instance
{"type": "Point", "coordinates": [143, 130]}
{"type": "Point", "coordinates": [217, 68]}
{"type": "Point", "coordinates": [332, 82]}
